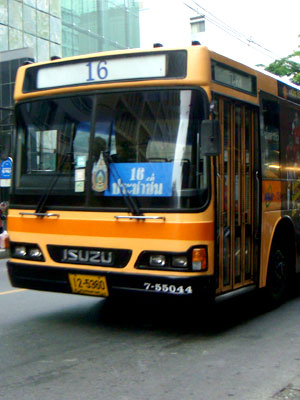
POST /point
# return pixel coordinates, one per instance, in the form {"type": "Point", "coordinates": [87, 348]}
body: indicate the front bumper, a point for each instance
{"type": "Point", "coordinates": [55, 279]}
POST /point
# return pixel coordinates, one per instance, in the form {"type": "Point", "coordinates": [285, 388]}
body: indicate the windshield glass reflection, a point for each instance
{"type": "Point", "coordinates": [142, 144]}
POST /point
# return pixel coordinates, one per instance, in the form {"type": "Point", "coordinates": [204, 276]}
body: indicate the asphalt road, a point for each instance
{"type": "Point", "coordinates": [56, 346]}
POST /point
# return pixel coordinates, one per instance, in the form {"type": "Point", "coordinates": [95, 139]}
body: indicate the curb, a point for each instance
{"type": "Point", "coordinates": [4, 253]}
{"type": "Point", "coordinates": [290, 392]}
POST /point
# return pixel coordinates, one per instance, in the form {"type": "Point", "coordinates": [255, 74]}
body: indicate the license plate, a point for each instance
{"type": "Point", "coordinates": [92, 285]}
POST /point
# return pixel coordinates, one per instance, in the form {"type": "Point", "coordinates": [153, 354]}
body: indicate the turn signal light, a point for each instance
{"type": "Point", "coordinates": [199, 259]}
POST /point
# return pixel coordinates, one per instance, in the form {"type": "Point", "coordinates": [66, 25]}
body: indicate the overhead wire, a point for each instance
{"type": "Point", "coordinates": [210, 17]}
{"type": "Point", "coordinates": [220, 22]}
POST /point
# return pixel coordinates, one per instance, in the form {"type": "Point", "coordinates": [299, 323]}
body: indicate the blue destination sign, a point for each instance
{"type": "Point", "coordinates": [140, 179]}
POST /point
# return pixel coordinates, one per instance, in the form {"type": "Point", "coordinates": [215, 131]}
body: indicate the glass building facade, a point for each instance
{"type": "Point", "coordinates": [36, 30]}
{"type": "Point", "coordinates": [31, 23]}
{"type": "Point", "coordinates": [68, 27]}
{"type": "Point", "coordinates": [97, 25]}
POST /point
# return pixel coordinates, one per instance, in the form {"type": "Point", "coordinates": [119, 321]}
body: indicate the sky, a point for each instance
{"type": "Point", "coordinates": [271, 26]}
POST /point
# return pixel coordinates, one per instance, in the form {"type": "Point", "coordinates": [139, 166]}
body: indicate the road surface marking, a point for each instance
{"type": "Point", "coordinates": [12, 291]}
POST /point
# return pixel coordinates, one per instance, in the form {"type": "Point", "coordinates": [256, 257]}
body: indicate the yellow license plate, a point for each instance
{"type": "Point", "coordinates": [92, 285]}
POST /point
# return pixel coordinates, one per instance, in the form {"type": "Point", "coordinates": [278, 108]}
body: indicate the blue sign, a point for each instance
{"type": "Point", "coordinates": [140, 179]}
{"type": "Point", "coordinates": [5, 169]}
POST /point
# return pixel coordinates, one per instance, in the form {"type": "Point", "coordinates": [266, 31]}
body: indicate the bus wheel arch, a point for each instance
{"type": "Point", "coordinates": [281, 263]}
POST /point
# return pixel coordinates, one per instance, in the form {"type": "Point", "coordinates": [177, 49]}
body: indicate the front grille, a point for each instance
{"type": "Point", "coordinates": [101, 257]}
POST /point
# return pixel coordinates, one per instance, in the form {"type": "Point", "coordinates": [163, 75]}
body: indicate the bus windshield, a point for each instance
{"type": "Point", "coordinates": [90, 151]}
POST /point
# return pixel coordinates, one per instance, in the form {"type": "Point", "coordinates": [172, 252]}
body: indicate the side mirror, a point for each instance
{"type": "Point", "coordinates": [210, 138]}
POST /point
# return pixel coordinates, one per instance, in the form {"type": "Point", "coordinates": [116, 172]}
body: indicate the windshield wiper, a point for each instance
{"type": "Point", "coordinates": [130, 202]}
{"type": "Point", "coordinates": [40, 208]}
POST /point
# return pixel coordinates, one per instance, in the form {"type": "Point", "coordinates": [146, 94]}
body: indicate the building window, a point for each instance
{"type": "Point", "coordinates": [198, 26]}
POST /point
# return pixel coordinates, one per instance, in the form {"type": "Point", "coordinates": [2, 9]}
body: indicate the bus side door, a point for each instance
{"type": "Point", "coordinates": [236, 198]}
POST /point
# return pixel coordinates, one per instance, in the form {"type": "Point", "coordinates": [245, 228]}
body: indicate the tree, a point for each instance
{"type": "Point", "coordinates": [287, 66]}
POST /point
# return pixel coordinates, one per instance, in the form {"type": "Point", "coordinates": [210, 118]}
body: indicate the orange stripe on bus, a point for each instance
{"type": "Point", "coordinates": [141, 229]}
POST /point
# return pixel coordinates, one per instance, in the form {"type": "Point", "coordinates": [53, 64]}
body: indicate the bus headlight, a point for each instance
{"type": "Point", "coordinates": [26, 251]}
{"type": "Point", "coordinates": [19, 251]}
{"type": "Point", "coordinates": [179, 261]}
{"type": "Point", "coordinates": [193, 260]}
{"type": "Point", "coordinates": [35, 253]}
{"type": "Point", "coordinates": [157, 260]}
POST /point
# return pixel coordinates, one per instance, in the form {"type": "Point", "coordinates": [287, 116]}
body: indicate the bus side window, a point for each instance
{"type": "Point", "coordinates": [270, 140]}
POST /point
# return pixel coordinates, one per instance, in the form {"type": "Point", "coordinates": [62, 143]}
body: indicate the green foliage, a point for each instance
{"type": "Point", "coordinates": [287, 66]}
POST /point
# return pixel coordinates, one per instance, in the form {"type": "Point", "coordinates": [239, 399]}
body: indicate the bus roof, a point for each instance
{"type": "Point", "coordinates": [191, 66]}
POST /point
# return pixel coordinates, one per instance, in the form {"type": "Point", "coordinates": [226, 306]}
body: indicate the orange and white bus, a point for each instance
{"type": "Point", "coordinates": [168, 171]}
